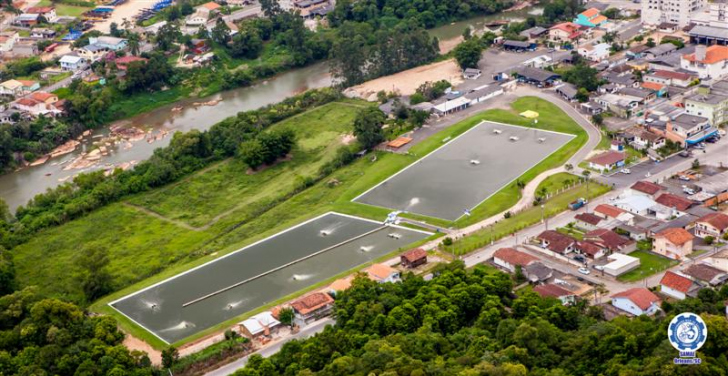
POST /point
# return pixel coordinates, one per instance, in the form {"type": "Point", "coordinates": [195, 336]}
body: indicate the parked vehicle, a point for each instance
{"type": "Point", "coordinates": [577, 204]}
{"type": "Point", "coordinates": [598, 267]}
{"type": "Point", "coordinates": [584, 271]}
{"type": "Point", "coordinates": [685, 154]}
{"type": "Point", "coordinates": [626, 171]}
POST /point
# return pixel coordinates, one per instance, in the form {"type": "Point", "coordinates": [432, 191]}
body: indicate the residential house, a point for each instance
{"type": "Point", "coordinates": [610, 240]}
{"type": "Point", "coordinates": [471, 73]}
{"type": "Point", "coordinates": [534, 32]}
{"type": "Point", "coordinates": [591, 249]}
{"type": "Point", "coordinates": [199, 46]}
{"type": "Point", "coordinates": [649, 140]}
{"type": "Point", "coordinates": [42, 33]}
{"type": "Point", "coordinates": [620, 264]}
{"type": "Point", "coordinates": [645, 96]}
{"type": "Point", "coordinates": [509, 259]}
{"type": "Point", "coordinates": [26, 20]}
{"type": "Point", "coordinates": [636, 204]}
{"type": "Point", "coordinates": [636, 52]}
{"type": "Point", "coordinates": [259, 325]}
{"type": "Point", "coordinates": [382, 273]}
{"type": "Point", "coordinates": [714, 225]}
{"type": "Point", "coordinates": [72, 63]}
{"type": "Point", "coordinates": [607, 161]}
{"type": "Point", "coordinates": [608, 211]}
{"type": "Point", "coordinates": [44, 97]}
{"type": "Point", "coordinates": [620, 105]}
{"type": "Point", "coordinates": [311, 308]}
{"type": "Point", "coordinates": [679, 287]}
{"type": "Point", "coordinates": [537, 272]}
{"type": "Point", "coordinates": [8, 40]}
{"type": "Point", "coordinates": [670, 78]}
{"type": "Point", "coordinates": [659, 90]}
{"type": "Point", "coordinates": [567, 91]}
{"type": "Point", "coordinates": [9, 116]}
{"type": "Point", "coordinates": [109, 43]}
{"type": "Point", "coordinates": [565, 32]}
{"type": "Point", "coordinates": [591, 18]}
{"type": "Point", "coordinates": [637, 301]}
{"type": "Point", "coordinates": [689, 129]}
{"type": "Point", "coordinates": [25, 48]}
{"type": "Point", "coordinates": [18, 87]}
{"type": "Point", "coordinates": [556, 242]}
{"type": "Point", "coordinates": [311, 8]}
{"type": "Point", "coordinates": [588, 221]}
{"type": "Point", "coordinates": [645, 188]}
{"type": "Point", "coordinates": [674, 243]}
{"type": "Point", "coordinates": [711, 105]}
{"type": "Point", "coordinates": [707, 62]}
{"type": "Point", "coordinates": [35, 107]}
{"type": "Point", "coordinates": [202, 14]}
{"type": "Point", "coordinates": [595, 53]}
{"type": "Point", "coordinates": [675, 202]}
{"type": "Point", "coordinates": [551, 290]}
{"type": "Point", "coordinates": [413, 258]}
{"type": "Point", "coordinates": [706, 275]}
{"type": "Point", "coordinates": [718, 260]}
{"type": "Point", "coordinates": [48, 13]}
{"type": "Point", "coordinates": [659, 51]}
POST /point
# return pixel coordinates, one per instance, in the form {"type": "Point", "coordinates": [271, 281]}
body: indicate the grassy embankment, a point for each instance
{"type": "Point", "coordinates": [161, 233]}
{"type": "Point", "coordinates": [505, 227]}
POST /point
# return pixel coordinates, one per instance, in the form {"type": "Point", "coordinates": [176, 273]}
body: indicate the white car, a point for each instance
{"type": "Point", "coordinates": [626, 171]}
{"type": "Point", "coordinates": [584, 271]}
{"type": "Point", "coordinates": [598, 267]}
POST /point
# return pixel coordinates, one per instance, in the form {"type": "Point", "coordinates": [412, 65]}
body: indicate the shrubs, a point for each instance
{"type": "Point", "coordinates": [266, 148]}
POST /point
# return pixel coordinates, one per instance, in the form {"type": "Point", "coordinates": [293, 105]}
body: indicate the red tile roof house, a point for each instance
{"type": "Point", "coordinates": [312, 307]}
{"type": "Point", "coordinates": [551, 290]}
{"type": "Point", "coordinates": [509, 259]}
{"type": "Point", "coordinates": [591, 249]}
{"type": "Point", "coordinates": [677, 286]}
{"type": "Point", "coordinates": [646, 188]}
{"type": "Point", "coordinates": [675, 243]}
{"type": "Point", "coordinates": [556, 242]}
{"type": "Point", "coordinates": [588, 221]}
{"type": "Point", "coordinates": [637, 301]}
{"type": "Point", "coordinates": [611, 240]}
{"type": "Point", "coordinates": [676, 202]}
{"type": "Point", "coordinates": [714, 224]}
{"type": "Point", "coordinates": [607, 161]}
{"type": "Point", "coordinates": [608, 211]}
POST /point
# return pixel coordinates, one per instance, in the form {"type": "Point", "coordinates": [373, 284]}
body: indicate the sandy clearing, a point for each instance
{"type": "Point", "coordinates": [450, 44]}
{"type": "Point", "coordinates": [133, 343]}
{"type": "Point", "coordinates": [127, 10]}
{"type": "Point", "coordinates": [406, 82]}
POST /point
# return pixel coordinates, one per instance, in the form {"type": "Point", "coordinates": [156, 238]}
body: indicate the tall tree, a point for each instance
{"type": "Point", "coordinates": [368, 127]}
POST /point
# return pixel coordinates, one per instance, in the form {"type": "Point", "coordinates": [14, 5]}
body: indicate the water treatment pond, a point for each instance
{"type": "Point", "coordinates": [177, 308]}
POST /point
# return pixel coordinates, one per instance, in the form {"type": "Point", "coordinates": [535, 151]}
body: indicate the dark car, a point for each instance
{"type": "Point", "coordinates": [711, 140]}
{"type": "Point", "coordinates": [685, 154]}
{"type": "Point", "coordinates": [579, 258]}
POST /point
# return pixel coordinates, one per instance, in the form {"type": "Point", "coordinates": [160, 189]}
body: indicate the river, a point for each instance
{"type": "Point", "coordinates": [18, 187]}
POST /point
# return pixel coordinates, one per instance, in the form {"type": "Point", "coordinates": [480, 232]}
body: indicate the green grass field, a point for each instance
{"type": "Point", "coordinates": [158, 234]}
{"type": "Point", "coordinates": [526, 218]}
{"type": "Point", "coordinates": [650, 264]}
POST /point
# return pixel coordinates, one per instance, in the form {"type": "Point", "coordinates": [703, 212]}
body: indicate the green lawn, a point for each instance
{"type": "Point", "coordinates": [650, 264]}
{"type": "Point", "coordinates": [526, 218]}
{"type": "Point", "coordinates": [227, 188]}
{"type": "Point", "coordinates": [574, 233]}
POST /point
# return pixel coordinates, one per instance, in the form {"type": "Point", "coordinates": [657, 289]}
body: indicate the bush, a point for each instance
{"type": "Point", "coordinates": [709, 240]}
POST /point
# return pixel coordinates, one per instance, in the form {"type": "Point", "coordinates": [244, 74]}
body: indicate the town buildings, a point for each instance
{"type": "Point", "coordinates": [679, 12]}
{"type": "Point", "coordinates": [674, 243]}
{"type": "Point", "coordinates": [637, 301]}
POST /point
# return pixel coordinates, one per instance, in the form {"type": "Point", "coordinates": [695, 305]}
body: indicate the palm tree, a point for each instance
{"type": "Point", "coordinates": [134, 43]}
{"type": "Point", "coordinates": [568, 167]}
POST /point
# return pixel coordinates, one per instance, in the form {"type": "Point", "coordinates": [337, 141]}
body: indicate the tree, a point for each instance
{"type": "Point", "coordinates": [696, 164]}
{"type": "Point", "coordinates": [133, 43]}
{"type": "Point", "coordinates": [253, 153]}
{"type": "Point", "coordinates": [611, 13]}
{"type": "Point", "coordinates": [286, 315]}
{"type": "Point", "coordinates": [368, 127]}
{"type": "Point", "coordinates": [271, 8]}
{"type": "Point", "coordinates": [95, 279]}
{"type": "Point", "coordinates": [220, 33]}
{"type": "Point", "coordinates": [170, 355]}
{"type": "Point", "coordinates": [166, 36]}
{"type": "Point", "coordinates": [114, 30]}
{"type": "Point", "coordinates": [7, 272]}
{"type": "Point", "coordinates": [582, 76]}
{"type": "Point", "coordinates": [247, 44]}
{"type": "Point", "coordinates": [598, 119]}
{"type": "Point", "coordinates": [650, 43]}
{"type": "Point", "coordinates": [569, 167]}
{"type": "Point", "coordinates": [468, 53]}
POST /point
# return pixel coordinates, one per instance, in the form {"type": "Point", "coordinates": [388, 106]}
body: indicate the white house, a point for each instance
{"type": "Point", "coordinates": [607, 160]}
{"type": "Point", "coordinates": [636, 204]}
{"type": "Point", "coordinates": [595, 53]}
{"type": "Point", "coordinates": [714, 224]}
{"type": "Point", "coordinates": [202, 14]}
{"type": "Point", "coordinates": [707, 62]}
{"type": "Point", "coordinates": [49, 13]}
{"type": "Point", "coordinates": [677, 286]}
{"type": "Point", "coordinates": [382, 273]}
{"type": "Point", "coordinates": [637, 301]}
{"type": "Point", "coordinates": [72, 63]}
{"type": "Point", "coordinates": [8, 40]}
{"type": "Point", "coordinates": [509, 259]}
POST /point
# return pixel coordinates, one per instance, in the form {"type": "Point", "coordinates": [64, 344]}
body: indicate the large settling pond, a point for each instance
{"type": "Point", "coordinates": [466, 171]}
{"type": "Point", "coordinates": [261, 273]}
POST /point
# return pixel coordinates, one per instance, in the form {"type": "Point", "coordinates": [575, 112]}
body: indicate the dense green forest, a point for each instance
{"type": "Point", "coordinates": [470, 323]}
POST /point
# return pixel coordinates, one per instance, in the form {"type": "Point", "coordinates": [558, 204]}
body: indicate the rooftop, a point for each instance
{"type": "Point", "coordinates": [703, 272]}
{"type": "Point", "coordinates": [713, 54]}
{"type": "Point", "coordinates": [608, 238]}
{"type": "Point", "coordinates": [557, 241]}
{"type": "Point", "coordinates": [673, 201]}
{"type": "Point", "coordinates": [514, 257]}
{"type": "Point", "coordinates": [637, 203]}
{"type": "Point", "coordinates": [646, 187]}
{"type": "Point", "coordinates": [676, 282]}
{"type": "Point", "coordinates": [717, 220]}
{"type": "Point", "coordinates": [551, 290]}
{"type": "Point", "coordinates": [608, 158]}
{"type": "Point", "coordinates": [588, 218]}
{"type": "Point", "coordinates": [379, 272]}
{"type": "Point", "coordinates": [608, 210]}
{"type": "Point", "coordinates": [675, 235]}
{"type": "Point", "coordinates": [414, 254]}
{"type": "Point", "coordinates": [311, 302]}
{"type": "Point", "coordinates": [640, 296]}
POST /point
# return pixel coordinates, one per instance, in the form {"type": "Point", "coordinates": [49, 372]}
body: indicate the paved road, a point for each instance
{"type": "Point", "coordinates": [273, 347]}
{"type": "Point", "coordinates": [251, 11]}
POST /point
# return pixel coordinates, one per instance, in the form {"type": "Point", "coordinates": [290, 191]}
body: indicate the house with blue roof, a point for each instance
{"type": "Point", "coordinates": [590, 18]}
